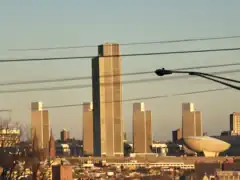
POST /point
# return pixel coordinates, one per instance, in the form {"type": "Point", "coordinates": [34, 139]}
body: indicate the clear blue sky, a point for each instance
{"type": "Point", "coordinates": [61, 23]}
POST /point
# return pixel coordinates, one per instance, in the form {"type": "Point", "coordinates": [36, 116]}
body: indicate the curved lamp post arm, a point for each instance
{"type": "Point", "coordinates": [162, 72]}
{"type": "Point", "coordinates": [215, 80]}
{"type": "Point", "coordinates": [214, 76]}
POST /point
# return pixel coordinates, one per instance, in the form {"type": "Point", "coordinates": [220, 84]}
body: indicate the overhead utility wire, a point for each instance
{"type": "Point", "coordinates": [145, 98]}
{"type": "Point", "coordinates": [57, 88]}
{"type": "Point", "coordinates": [122, 55]}
{"type": "Point", "coordinates": [5, 110]}
{"type": "Point", "coordinates": [124, 74]}
{"type": "Point", "coordinates": [128, 44]}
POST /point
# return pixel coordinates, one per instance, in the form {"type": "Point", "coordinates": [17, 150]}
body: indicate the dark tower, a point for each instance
{"type": "Point", "coordinates": [52, 147]}
{"type": "Point", "coordinates": [35, 143]}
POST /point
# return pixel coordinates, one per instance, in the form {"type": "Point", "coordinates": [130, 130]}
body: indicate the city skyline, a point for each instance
{"type": "Point", "coordinates": [192, 117]}
{"type": "Point", "coordinates": [160, 21]}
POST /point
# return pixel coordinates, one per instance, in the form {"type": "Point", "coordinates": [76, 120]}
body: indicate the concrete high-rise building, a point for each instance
{"type": "Point", "coordinates": [142, 129]}
{"type": "Point", "coordinates": [52, 147]}
{"type": "Point", "coordinates": [35, 143]}
{"type": "Point", "coordinates": [192, 124]}
{"type": "Point", "coordinates": [235, 123]}
{"type": "Point", "coordinates": [65, 135]}
{"type": "Point", "coordinates": [138, 107]}
{"type": "Point", "coordinates": [188, 124]}
{"type": "Point", "coordinates": [198, 121]}
{"type": "Point", "coordinates": [107, 105]}
{"type": "Point", "coordinates": [191, 121]}
{"type": "Point", "coordinates": [149, 139]}
{"type": "Point", "coordinates": [187, 107]}
{"type": "Point", "coordinates": [88, 128]}
{"type": "Point", "coordinates": [37, 106]}
{"type": "Point", "coordinates": [125, 137]}
{"type": "Point", "coordinates": [40, 124]}
{"type": "Point", "coordinates": [177, 135]}
{"type": "Point", "coordinates": [62, 172]}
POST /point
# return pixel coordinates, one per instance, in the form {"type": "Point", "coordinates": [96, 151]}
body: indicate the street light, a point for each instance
{"type": "Point", "coordinates": [163, 72]}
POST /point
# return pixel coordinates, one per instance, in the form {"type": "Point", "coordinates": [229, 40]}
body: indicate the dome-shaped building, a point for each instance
{"type": "Point", "coordinates": [211, 147]}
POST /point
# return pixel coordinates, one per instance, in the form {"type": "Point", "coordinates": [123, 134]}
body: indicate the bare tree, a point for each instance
{"type": "Point", "coordinates": [6, 122]}
{"type": "Point", "coordinates": [25, 132]}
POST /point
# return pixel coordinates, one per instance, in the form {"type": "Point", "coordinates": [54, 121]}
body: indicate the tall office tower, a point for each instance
{"type": "Point", "coordinates": [191, 121]}
{"type": "Point", "coordinates": [235, 123]}
{"type": "Point", "coordinates": [142, 129]}
{"type": "Point", "coordinates": [65, 135]}
{"type": "Point", "coordinates": [35, 143]}
{"type": "Point", "coordinates": [189, 107]}
{"type": "Point", "coordinates": [177, 135]}
{"type": "Point", "coordinates": [198, 121]}
{"type": "Point", "coordinates": [188, 124]}
{"type": "Point", "coordinates": [87, 128]}
{"type": "Point", "coordinates": [125, 137]}
{"type": "Point", "coordinates": [40, 124]}
{"type": "Point", "coordinates": [107, 105]}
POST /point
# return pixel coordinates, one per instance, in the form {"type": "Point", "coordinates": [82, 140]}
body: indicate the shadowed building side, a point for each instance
{"type": "Point", "coordinates": [149, 131]}
{"type": "Point", "coordinates": [46, 129]}
{"type": "Point", "coordinates": [189, 124]}
{"type": "Point", "coordinates": [62, 172]}
{"type": "Point", "coordinates": [65, 135]}
{"type": "Point", "coordinates": [177, 135]}
{"type": "Point", "coordinates": [52, 147]}
{"type": "Point", "coordinates": [198, 119]}
{"type": "Point", "coordinates": [35, 143]}
{"type": "Point", "coordinates": [87, 129]}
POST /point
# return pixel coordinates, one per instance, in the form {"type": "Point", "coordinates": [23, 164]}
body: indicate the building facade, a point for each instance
{"type": "Point", "coordinates": [235, 123]}
{"type": "Point", "coordinates": [65, 135]}
{"type": "Point", "coordinates": [191, 121]}
{"type": "Point", "coordinates": [40, 124]}
{"type": "Point", "coordinates": [52, 147]}
{"type": "Point", "coordinates": [176, 135]}
{"type": "Point", "coordinates": [88, 128]}
{"type": "Point", "coordinates": [187, 107]}
{"type": "Point", "coordinates": [142, 129]}
{"type": "Point", "coordinates": [62, 172]}
{"type": "Point", "coordinates": [9, 137]}
{"type": "Point", "coordinates": [107, 105]}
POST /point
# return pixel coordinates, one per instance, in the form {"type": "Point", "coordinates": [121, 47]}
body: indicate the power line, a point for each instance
{"type": "Point", "coordinates": [106, 84]}
{"type": "Point", "coordinates": [124, 74]}
{"type": "Point", "coordinates": [128, 44]}
{"type": "Point", "coordinates": [123, 55]}
{"type": "Point", "coordinates": [145, 98]}
{"type": "Point", "coordinates": [5, 110]}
